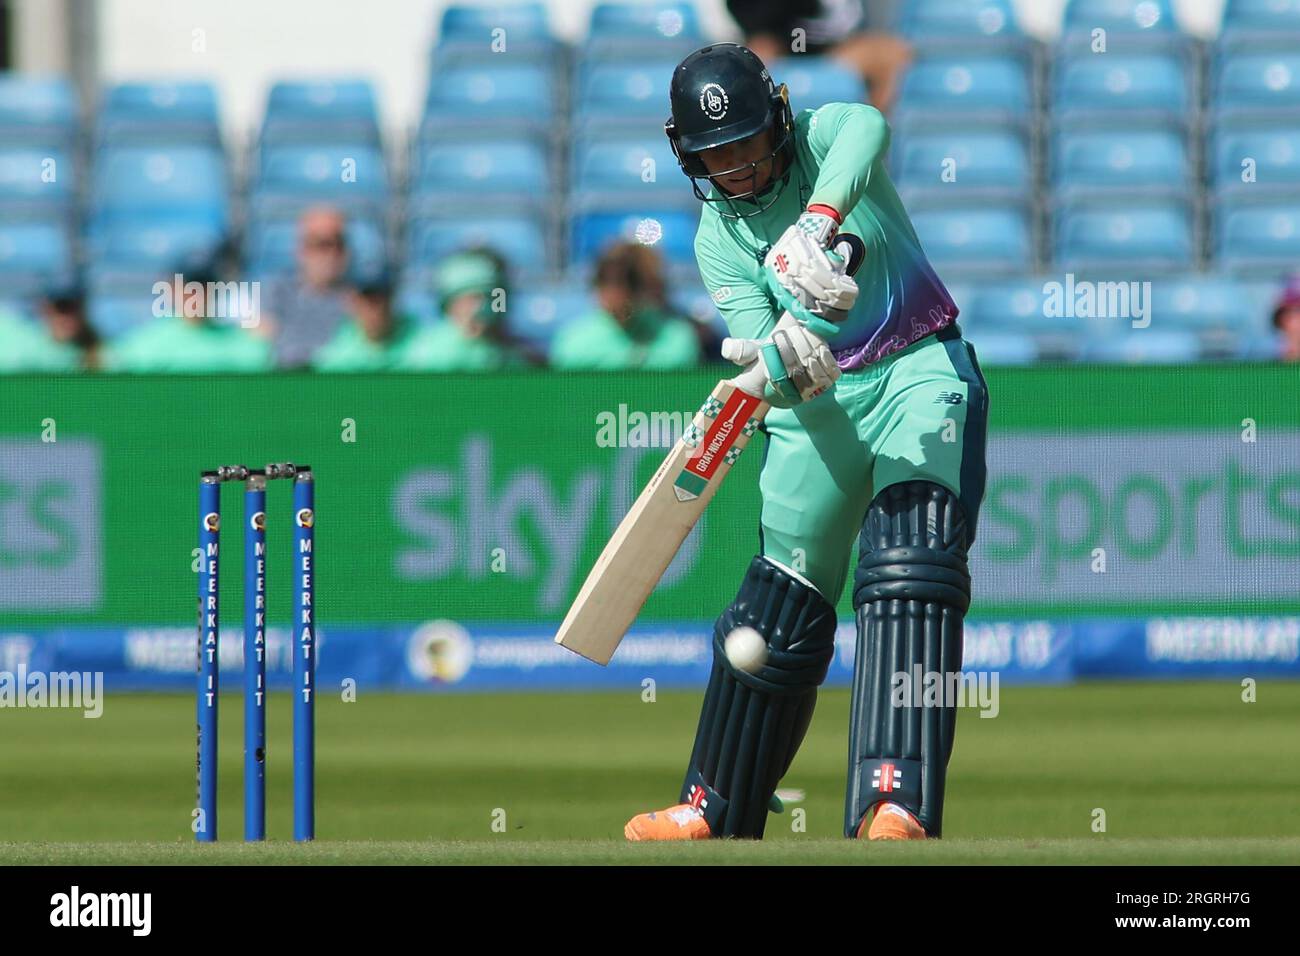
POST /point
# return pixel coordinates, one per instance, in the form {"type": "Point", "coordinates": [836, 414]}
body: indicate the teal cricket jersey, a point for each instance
{"type": "Point", "coordinates": [840, 162]}
{"type": "Point", "coordinates": [904, 387]}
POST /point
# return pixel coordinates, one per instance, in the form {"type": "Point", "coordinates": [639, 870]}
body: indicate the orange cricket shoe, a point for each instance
{"type": "Point", "coordinates": [892, 822]}
{"type": "Point", "coordinates": [682, 822]}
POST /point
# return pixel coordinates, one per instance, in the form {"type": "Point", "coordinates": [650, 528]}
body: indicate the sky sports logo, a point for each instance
{"type": "Point", "coordinates": [76, 909]}
{"type": "Point", "coordinates": [1198, 515]}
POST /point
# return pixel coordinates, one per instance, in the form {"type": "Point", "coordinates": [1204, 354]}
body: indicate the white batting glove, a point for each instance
{"type": "Point", "coordinates": [818, 226]}
{"type": "Point", "coordinates": [815, 281]}
{"type": "Point", "coordinates": [796, 363]}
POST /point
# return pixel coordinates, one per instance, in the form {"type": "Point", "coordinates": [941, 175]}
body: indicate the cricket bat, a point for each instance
{"type": "Point", "coordinates": [649, 536]}
{"type": "Point", "coordinates": [651, 533]}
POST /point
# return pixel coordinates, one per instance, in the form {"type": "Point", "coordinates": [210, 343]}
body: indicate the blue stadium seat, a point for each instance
{"type": "Point", "coordinates": [997, 347]}
{"type": "Point", "coordinates": [1258, 236]}
{"type": "Point", "coordinates": [37, 109]}
{"type": "Point", "coordinates": [1153, 84]}
{"type": "Point", "coordinates": [1262, 14]}
{"type": "Point", "coordinates": [651, 27]}
{"type": "Point", "coordinates": [1010, 304]}
{"type": "Point", "coordinates": [1252, 23]}
{"type": "Point", "coordinates": [508, 170]}
{"type": "Point", "coordinates": [1266, 83]}
{"type": "Point", "coordinates": [671, 232]}
{"type": "Point", "coordinates": [352, 177]}
{"type": "Point", "coordinates": [157, 243]}
{"type": "Point", "coordinates": [31, 254]}
{"type": "Point", "coordinates": [1144, 347]}
{"type": "Point", "coordinates": [612, 168]}
{"type": "Point", "coordinates": [270, 247]}
{"type": "Point", "coordinates": [118, 301]}
{"type": "Point", "coordinates": [924, 21]}
{"type": "Point", "coordinates": [1275, 150]}
{"type": "Point", "coordinates": [1260, 299]}
{"type": "Point", "coordinates": [520, 239]}
{"type": "Point", "coordinates": [635, 92]}
{"type": "Point", "coordinates": [475, 23]}
{"type": "Point", "coordinates": [158, 114]}
{"type": "Point", "coordinates": [518, 95]}
{"type": "Point", "coordinates": [814, 81]}
{"type": "Point", "coordinates": [1142, 235]}
{"type": "Point", "coordinates": [537, 313]}
{"type": "Point", "coordinates": [662, 18]}
{"type": "Point", "coordinates": [336, 111]}
{"type": "Point", "coordinates": [167, 181]}
{"type": "Point", "coordinates": [983, 241]}
{"type": "Point", "coordinates": [112, 316]}
{"type": "Point", "coordinates": [961, 289]}
{"type": "Point", "coordinates": [1201, 302]}
{"type": "Point", "coordinates": [1260, 348]}
{"type": "Point", "coordinates": [984, 160]}
{"type": "Point", "coordinates": [1018, 306]}
{"type": "Point", "coordinates": [37, 180]}
{"type": "Point", "coordinates": [1150, 160]}
{"type": "Point", "coordinates": [1121, 16]}
{"type": "Point", "coordinates": [968, 86]}
{"type": "Point", "coordinates": [469, 34]}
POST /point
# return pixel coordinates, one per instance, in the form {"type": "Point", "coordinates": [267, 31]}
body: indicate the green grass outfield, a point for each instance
{"type": "Point", "coordinates": [808, 851]}
{"type": "Point", "coordinates": [1186, 773]}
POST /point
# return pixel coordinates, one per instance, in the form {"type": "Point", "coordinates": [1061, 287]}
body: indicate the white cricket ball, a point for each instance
{"type": "Point", "coordinates": [746, 649]}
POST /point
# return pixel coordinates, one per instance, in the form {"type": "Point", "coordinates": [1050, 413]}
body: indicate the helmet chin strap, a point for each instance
{"type": "Point", "coordinates": [779, 180]}
{"type": "Point", "coordinates": [776, 186]}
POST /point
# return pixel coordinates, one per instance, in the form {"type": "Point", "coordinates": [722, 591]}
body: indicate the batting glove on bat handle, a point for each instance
{"type": "Point", "coordinates": [794, 364]}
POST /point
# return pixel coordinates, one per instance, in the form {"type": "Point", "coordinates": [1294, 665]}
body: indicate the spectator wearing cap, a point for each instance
{"type": "Point", "coordinates": [632, 326]}
{"type": "Point", "coordinates": [1286, 319]}
{"type": "Point", "coordinates": [187, 336]}
{"type": "Point", "coordinates": [303, 311]}
{"type": "Point", "coordinates": [373, 338]}
{"type": "Point", "coordinates": [470, 334]}
{"type": "Point", "coordinates": [61, 341]}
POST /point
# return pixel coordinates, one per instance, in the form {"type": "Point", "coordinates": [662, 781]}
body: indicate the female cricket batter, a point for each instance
{"type": "Point", "coordinates": [877, 432]}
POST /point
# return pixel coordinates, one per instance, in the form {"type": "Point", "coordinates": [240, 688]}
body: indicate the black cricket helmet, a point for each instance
{"type": "Point", "coordinates": [722, 94]}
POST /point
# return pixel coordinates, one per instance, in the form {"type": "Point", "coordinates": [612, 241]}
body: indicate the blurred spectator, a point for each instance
{"type": "Point", "coordinates": [186, 338]}
{"type": "Point", "coordinates": [1286, 319]}
{"type": "Point", "coordinates": [63, 311]}
{"type": "Point", "coordinates": [831, 27]}
{"type": "Point", "coordinates": [631, 327]}
{"type": "Point", "coordinates": [26, 347]}
{"type": "Point", "coordinates": [471, 333]}
{"type": "Point", "coordinates": [304, 310]}
{"type": "Point", "coordinates": [60, 341]}
{"type": "Point", "coordinates": [373, 338]}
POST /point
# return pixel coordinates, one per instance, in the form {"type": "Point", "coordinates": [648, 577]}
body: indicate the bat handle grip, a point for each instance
{"type": "Point", "coordinates": [753, 379]}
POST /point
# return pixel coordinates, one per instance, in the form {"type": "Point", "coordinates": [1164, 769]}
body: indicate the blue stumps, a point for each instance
{"type": "Point", "coordinates": [255, 657]}
{"type": "Point", "coordinates": [304, 657]}
{"type": "Point", "coordinates": [205, 823]}
{"type": "Point", "coordinates": [303, 649]}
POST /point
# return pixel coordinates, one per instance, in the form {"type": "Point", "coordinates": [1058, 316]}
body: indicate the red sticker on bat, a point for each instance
{"type": "Point", "coordinates": [722, 434]}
